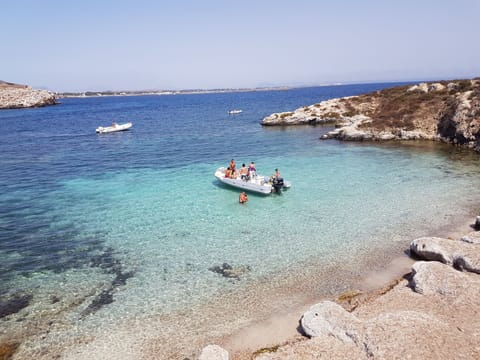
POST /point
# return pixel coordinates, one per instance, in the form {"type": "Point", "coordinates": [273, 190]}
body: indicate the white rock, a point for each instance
{"type": "Point", "coordinates": [213, 352]}
{"type": "Point", "coordinates": [460, 254]}
{"type": "Point", "coordinates": [432, 248]}
{"type": "Point", "coordinates": [330, 319]}
{"type": "Point", "coordinates": [431, 277]}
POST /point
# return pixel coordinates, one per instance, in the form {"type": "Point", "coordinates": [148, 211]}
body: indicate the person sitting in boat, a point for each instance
{"type": "Point", "coordinates": [244, 172]}
{"type": "Point", "coordinates": [114, 124]}
{"type": "Point", "coordinates": [243, 198]}
{"type": "Point", "coordinates": [252, 171]}
{"type": "Point", "coordinates": [232, 165]}
{"type": "Point", "coordinates": [228, 172]}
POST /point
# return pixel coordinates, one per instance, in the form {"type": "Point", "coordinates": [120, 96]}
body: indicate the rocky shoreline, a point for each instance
{"type": "Point", "coordinates": [430, 313]}
{"type": "Point", "coordinates": [14, 96]}
{"type": "Point", "coordinates": [447, 111]}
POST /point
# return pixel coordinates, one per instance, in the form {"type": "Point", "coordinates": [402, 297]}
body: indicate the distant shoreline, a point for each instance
{"type": "Point", "coordinates": [164, 92]}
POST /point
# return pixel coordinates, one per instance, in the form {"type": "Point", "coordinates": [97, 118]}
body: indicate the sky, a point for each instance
{"type": "Point", "coordinates": [100, 45]}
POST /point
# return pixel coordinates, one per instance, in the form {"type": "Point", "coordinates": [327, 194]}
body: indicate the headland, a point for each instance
{"type": "Point", "coordinates": [15, 96]}
{"type": "Point", "coordinates": [447, 111]}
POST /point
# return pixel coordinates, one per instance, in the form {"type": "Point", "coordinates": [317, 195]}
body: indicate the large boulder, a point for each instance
{"type": "Point", "coordinates": [384, 336]}
{"type": "Point", "coordinates": [329, 319]}
{"type": "Point", "coordinates": [434, 278]}
{"type": "Point", "coordinates": [459, 254]}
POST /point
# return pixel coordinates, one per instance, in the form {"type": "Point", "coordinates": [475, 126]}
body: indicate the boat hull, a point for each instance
{"type": "Point", "coordinates": [110, 129]}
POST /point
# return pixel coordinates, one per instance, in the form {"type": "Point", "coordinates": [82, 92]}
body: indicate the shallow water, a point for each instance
{"type": "Point", "coordinates": [99, 231]}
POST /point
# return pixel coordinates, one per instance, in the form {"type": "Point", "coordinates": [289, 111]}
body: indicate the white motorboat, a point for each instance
{"type": "Point", "coordinates": [113, 128]}
{"type": "Point", "coordinates": [256, 183]}
{"type": "Point", "coordinates": [234, 111]}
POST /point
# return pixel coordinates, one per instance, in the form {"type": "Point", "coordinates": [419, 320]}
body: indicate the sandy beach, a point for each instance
{"type": "Point", "coordinates": [281, 337]}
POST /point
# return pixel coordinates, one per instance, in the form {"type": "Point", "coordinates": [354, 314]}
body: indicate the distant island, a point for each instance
{"type": "Point", "coordinates": [162, 92]}
{"type": "Point", "coordinates": [16, 96]}
{"type": "Point", "coordinates": [446, 111]}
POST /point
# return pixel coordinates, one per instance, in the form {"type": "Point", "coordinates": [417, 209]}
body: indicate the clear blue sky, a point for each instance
{"type": "Point", "coordinates": [184, 44]}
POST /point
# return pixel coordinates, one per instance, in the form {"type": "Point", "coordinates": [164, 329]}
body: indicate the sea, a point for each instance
{"type": "Point", "coordinates": [115, 246]}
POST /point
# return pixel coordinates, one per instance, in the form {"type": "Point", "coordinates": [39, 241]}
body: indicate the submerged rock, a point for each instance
{"type": "Point", "coordinates": [228, 271]}
{"type": "Point", "coordinates": [102, 299]}
{"type": "Point", "coordinates": [14, 304]}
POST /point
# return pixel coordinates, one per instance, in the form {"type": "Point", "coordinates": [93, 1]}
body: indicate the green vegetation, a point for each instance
{"type": "Point", "coordinates": [266, 350]}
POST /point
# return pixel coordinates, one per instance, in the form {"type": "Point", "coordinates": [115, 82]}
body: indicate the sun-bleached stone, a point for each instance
{"type": "Point", "coordinates": [329, 319]}
{"type": "Point", "coordinates": [213, 352]}
{"type": "Point", "coordinates": [460, 254]}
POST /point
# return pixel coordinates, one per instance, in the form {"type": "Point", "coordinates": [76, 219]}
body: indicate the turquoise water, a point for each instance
{"type": "Point", "coordinates": [100, 230]}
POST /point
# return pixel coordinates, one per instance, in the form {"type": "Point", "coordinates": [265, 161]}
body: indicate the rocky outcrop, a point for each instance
{"type": "Point", "coordinates": [13, 96]}
{"type": "Point", "coordinates": [460, 254]}
{"type": "Point", "coordinates": [329, 111]}
{"type": "Point", "coordinates": [443, 111]}
{"type": "Point", "coordinates": [431, 314]}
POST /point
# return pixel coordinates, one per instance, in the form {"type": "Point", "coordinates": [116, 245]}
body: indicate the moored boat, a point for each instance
{"type": "Point", "coordinates": [234, 111]}
{"type": "Point", "coordinates": [257, 183]}
{"type": "Point", "coordinates": [114, 128]}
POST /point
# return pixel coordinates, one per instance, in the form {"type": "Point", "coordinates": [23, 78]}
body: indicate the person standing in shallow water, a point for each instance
{"type": "Point", "coordinates": [243, 198]}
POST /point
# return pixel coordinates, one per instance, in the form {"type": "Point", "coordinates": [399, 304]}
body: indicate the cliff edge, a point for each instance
{"type": "Point", "coordinates": [446, 111]}
{"type": "Point", "coordinates": [15, 96]}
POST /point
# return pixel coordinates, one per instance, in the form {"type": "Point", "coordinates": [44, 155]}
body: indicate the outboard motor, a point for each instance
{"type": "Point", "coordinates": [277, 184]}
